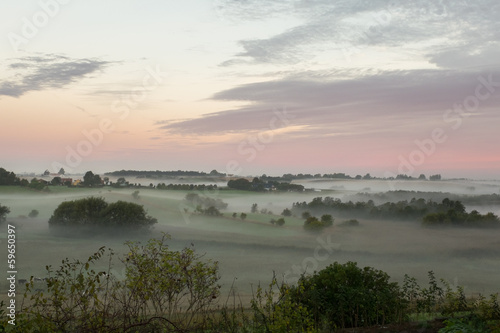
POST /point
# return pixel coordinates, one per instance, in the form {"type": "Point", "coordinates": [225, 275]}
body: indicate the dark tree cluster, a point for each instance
{"type": "Point", "coordinates": [210, 211]}
{"type": "Point", "coordinates": [162, 174]}
{"type": "Point", "coordinates": [8, 178]}
{"type": "Point", "coordinates": [312, 223]}
{"type": "Point", "coordinates": [481, 199]}
{"type": "Point", "coordinates": [448, 212]}
{"type": "Point", "coordinates": [204, 202]}
{"type": "Point", "coordinates": [186, 187]}
{"type": "Point", "coordinates": [456, 215]}
{"type": "Point", "coordinates": [35, 184]}
{"type": "Point", "coordinates": [279, 222]}
{"type": "Point", "coordinates": [259, 185]}
{"type": "Point", "coordinates": [95, 214]}
{"type": "Point", "coordinates": [92, 180]}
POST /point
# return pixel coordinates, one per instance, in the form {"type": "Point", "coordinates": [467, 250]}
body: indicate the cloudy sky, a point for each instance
{"type": "Point", "coordinates": [251, 87]}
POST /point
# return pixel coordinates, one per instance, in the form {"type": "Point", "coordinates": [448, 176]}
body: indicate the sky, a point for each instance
{"type": "Point", "coordinates": [251, 87]}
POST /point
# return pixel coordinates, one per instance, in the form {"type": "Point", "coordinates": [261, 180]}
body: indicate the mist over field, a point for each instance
{"type": "Point", "coordinates": [250, 250]}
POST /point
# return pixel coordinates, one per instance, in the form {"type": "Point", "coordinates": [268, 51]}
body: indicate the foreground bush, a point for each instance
{"type": "Point", "coordinates": [164, 291]}
{"type": "Point", "coordinates": [345, 295]}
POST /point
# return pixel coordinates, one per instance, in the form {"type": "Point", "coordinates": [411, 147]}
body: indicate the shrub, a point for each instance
{"type": "Point", "coordinates": [344, 295]}
{"type": "Point", "coordinates": [158, 282]}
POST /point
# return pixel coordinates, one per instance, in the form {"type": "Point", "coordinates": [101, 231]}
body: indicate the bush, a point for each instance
{"type": "Point", "coordinates": [344, 295]}
{"type": "Point", "coordinates": [158, 282]}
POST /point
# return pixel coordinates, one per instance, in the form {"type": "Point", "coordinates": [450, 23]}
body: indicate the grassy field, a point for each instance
{"type": "Point", "coordinates": [250, 250]}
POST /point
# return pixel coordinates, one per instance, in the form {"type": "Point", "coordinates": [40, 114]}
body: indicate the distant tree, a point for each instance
{"type": "Point", "coordinates": [313, 224]}
{"type": "Point", "coordinates": [254, 208]}
{"type": "Point", "coordinates": [422, 177]}
{"type": "Point", "coordinates": [280, 221]}
{"type": "Point", "coordinates": [121, 181]}
{"type": "Point", "coordinates": [367, 176]}
{"type": "Point", "coordinates": [61, 171]}
{"type": "Point", "coordinates": [350, 223]}
{"type": "Point", "coordinates": [435, 177]}
{"type": "Point", "coordinates": [257, 184]}
{"type": "Point", "coordinates": [34, 213]}
{"type": "Point", "coordinates": [56, 181]}
{"type": "Point", "coordinates": [90, 213]}
{"type": "Point", "coordinates": [106, 180]}
{"type": "Point", "coordinates": [46, 173]}
{"type": "Point", "coordinates": [135, 195]}
{"type": "Point", "coordinates": [24, 183]}
{"type": "Point", "coordinates": [3, 213]}
{"type": "Point", "coordinates": [327, 220]}
{"type": "Point", "coordinates": [38, 184]}
{"type": "Point", "coordinates": [243, 216]}
{"type": "Point", "coordinates": [126, 214]}
{"type": "Point", "coordinates": [235, 215]}
{"type": "Point", "coordinates": [90, 180]}
{"type": "Point", "coordinates": [8, 178]}
{"type": "Point", "coordinates": [204, 201]}
{"type": "Point", "coordinates": [215, 173]}
{"type": "Point", "coordinates": [240, 184]}
{"type": "Point", "coordinates": [212, 211]}
{"type": "Point", "coordinates": [306, 215]}
{"type": "Point", "coordinates": [286, 212]}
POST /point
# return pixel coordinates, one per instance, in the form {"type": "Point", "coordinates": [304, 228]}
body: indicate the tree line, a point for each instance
{"type": "Point", "coordinates": [259, 185]}
{"type": "Point", "coordinates": [162, 174]}
{"type": "Point", "coordinates": [446, 212]}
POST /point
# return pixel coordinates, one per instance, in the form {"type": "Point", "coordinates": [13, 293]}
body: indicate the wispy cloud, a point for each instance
{"type": "Point", "coordinates": [327, 106]}
{"type": "Point", "coordinates": [449, 33]}
{"type": "Point", "coordinates": [47, 71]}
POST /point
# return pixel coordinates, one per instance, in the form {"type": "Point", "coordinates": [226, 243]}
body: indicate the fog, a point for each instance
{"type": "Point", "coordinates": [374, 186]}
{"type": "Point", "coordinates": [250, 251]}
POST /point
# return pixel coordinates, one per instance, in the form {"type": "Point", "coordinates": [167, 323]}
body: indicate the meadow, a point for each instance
{"type": "Point", "coordinates": [250, 251]}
